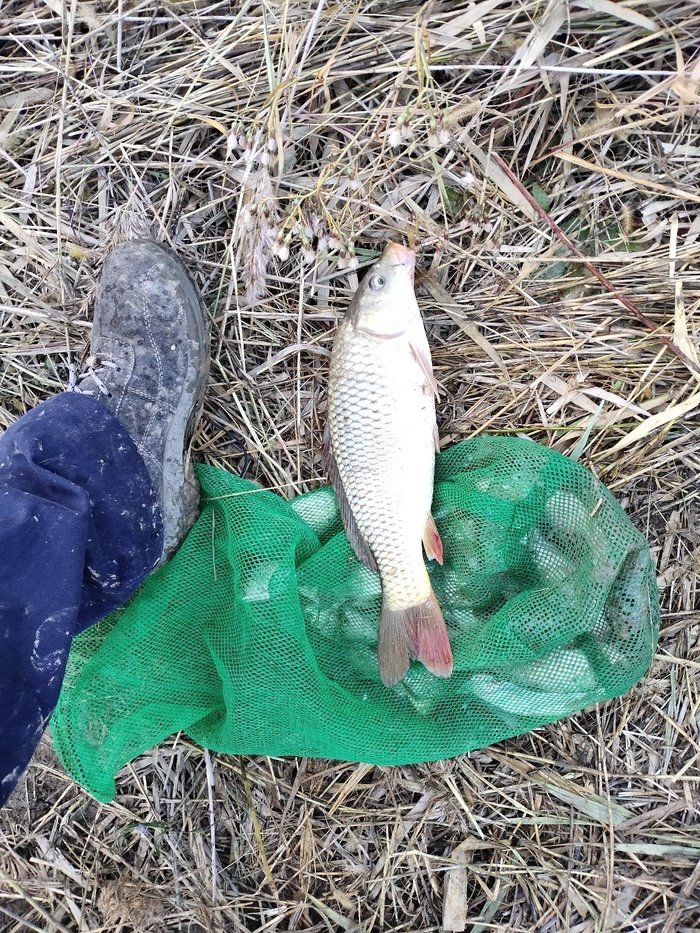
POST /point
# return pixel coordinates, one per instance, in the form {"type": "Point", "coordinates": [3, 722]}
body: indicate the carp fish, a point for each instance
{"type": "Point", "coordinates": [379, 448]}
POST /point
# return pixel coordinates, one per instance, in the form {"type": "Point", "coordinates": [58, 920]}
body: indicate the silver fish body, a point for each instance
{"type": "Point", "coordinates": [380, 448]}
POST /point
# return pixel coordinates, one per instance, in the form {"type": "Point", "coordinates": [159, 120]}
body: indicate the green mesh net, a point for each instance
{"type": "Point", "coordinates": [260, 635]}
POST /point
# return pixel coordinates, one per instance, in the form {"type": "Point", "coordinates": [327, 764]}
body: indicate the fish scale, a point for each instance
{"type": "Point", "coordinates": [370, 452]}
{"type": "Point", "coordinates": [380, 435]}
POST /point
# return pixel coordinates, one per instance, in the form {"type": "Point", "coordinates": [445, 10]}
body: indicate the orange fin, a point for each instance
{"type": "Point", "coordinates": [420, 630]}
{"type": "Point", "coordinates": [428, 638]}
{"type": "Point", "coordinates": [358, 543]}
{"type": "Point", "coordinates": [432, 542]}
{"type": "Point", "coordinates": [422, 356]}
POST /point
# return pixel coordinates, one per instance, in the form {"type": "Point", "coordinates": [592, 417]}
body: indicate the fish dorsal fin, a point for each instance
{"type": "Point", "coordinates": [359, 545]}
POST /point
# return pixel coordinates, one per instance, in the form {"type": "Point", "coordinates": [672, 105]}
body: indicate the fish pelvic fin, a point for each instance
{"type": "Point", "coordinates": [419, 631]}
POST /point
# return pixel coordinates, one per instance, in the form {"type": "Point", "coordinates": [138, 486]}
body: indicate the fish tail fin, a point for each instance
{"type": "Point", "coordinates": [393, 645]}
{"type": "Point", "coordinates": [428, 638]}
{"type": "Point", "coordinates": [419, 630]}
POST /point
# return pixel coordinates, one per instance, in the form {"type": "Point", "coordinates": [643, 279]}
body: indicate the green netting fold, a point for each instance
{"type": "Point", "coordinates": [260, 635]}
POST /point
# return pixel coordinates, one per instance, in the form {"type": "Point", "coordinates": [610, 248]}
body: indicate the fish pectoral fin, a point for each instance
{"type": "Point", "coordinates": [432, 542]}
{"type": "Point", "coordinates": [422, 356]}
{"type": "Point", "coordinates": [357, 542]}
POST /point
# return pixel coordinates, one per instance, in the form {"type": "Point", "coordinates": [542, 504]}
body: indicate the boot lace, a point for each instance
{"type": "Point", "coordinates": [96, 369]}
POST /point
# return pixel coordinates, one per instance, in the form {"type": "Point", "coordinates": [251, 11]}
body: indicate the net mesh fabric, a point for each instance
{"type": "Point", "coordinates": [260, 635]}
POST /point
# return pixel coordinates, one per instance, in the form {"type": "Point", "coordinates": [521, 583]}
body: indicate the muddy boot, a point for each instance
{"type": "Point", "coordinates": [149, 365]}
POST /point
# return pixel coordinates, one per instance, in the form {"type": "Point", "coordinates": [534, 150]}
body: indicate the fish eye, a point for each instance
{"type": "Point", "coordinates": [377, 282]}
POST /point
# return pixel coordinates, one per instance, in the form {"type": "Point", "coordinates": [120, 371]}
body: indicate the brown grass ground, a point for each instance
{"type": "Point", "coordinates": [240, 133]}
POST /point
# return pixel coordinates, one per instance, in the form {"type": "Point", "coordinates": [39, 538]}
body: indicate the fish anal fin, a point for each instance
{"type": "Point", "coordinates": [357, 542]}
{"type": "Point", "coordinates": [432, 542]}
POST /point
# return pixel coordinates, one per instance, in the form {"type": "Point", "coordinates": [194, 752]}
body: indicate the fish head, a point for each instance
{"type": "Point", "coordinates": [385, 304]}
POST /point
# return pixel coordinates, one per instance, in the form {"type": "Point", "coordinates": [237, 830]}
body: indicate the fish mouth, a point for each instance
{"type": "Point", "coordinates": [399, 255]}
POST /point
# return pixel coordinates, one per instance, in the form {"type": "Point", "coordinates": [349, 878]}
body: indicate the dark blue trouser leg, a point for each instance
{"type": "Point", "coordinates": [80, 528]}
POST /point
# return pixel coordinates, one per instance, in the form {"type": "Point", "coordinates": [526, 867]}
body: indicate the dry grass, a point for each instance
{"type": "Point", "coordinates": [276, 146]}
